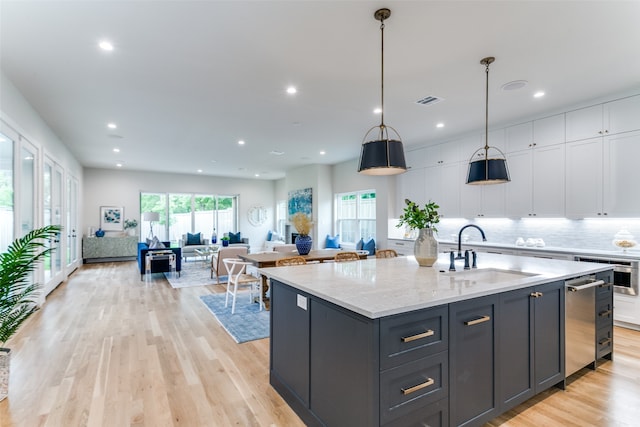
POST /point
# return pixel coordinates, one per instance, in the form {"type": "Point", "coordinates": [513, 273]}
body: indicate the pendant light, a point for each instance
{"type": "Point", "coordinates": [485, 167]}
{"type": "Point", "coordinates": [382, 155]}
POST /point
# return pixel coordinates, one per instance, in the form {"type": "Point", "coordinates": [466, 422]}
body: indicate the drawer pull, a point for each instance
{"type": "Point", "coordinates": [605, 341]}
{"type": "Point", "coordinates": [605, 313]}
{"type": "Point", "coordinates": [536, 294]}
{"type": "Point", "coordinates": [418, 336]}
{"type": "Point", "coordinates": [410, 390]}
{"type": "Point", "coordinates": [476, 321]}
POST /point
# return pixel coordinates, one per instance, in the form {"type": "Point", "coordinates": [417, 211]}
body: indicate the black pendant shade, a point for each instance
{"type": "Point", "coordinates": [488, 171]}
{"type": "Point", "coordinates": [486, 167]}
{"type": "Point", "coordinates": [382, 157]}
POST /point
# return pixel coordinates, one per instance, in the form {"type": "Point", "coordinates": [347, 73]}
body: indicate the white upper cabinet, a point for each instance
{"type": "Point", "coordinates": [519, 137]}
{"type": "Point", "coordinates": [467, 146]}
{"type": "Point", "coordinates": [410, 185]}
{"type": "Point", "coordinates": [622, 115]}
{"type": "Point", "coordinates": [443, 187]}
{"type": "Point", "coordinates": [549, 131]}
{"type": "Point", "coordinates": [416, 159]}
{"type": "Point", "coordinates": [584, 179]}
{"type": "Point", "coordinates": [620, 185]}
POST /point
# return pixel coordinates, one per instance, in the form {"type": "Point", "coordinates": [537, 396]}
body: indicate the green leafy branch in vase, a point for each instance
{"type": "Point", "coordinates": [419, 218]}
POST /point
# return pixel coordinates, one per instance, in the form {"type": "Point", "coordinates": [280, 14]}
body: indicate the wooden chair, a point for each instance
{"type": "Point", "coordinates": [294, 260]}
{"type": "Point", "coordinates": [217, 260]}
{"type": "Point", "coordinates": [346, 256]}
{"type": "Point", "coordinates": [386, 253]}
{"type": "Point", "coordinates": [238, 277]}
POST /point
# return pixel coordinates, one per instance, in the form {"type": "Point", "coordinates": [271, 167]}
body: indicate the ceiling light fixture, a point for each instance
{"type": "Point", "coordinates": [291, 90]}
{"type": "Point", "coordinates": [538, 94]}
{"type": "Point", "coordinates": [116, 150]}
{"type": "Point", "coordinates": [485, 168]}
{"type": "Point", "coordinates": [112, 125]}
{"type": "Point", "coordinates": [105, 45]}
{"type": "Point", "coordinates": [382, 156]}
{"type": "Point", "coordinates": [241, 142]}
{"type": "Point", "coordinates": [440, 125]}
{"type": "Point", "coordinates": [377, 110]}
{"type": "Point", "coordinates": [322, 153]}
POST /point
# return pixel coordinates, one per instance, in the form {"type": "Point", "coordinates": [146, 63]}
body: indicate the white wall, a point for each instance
{"type": "Point", "coordinates": [105, 187]}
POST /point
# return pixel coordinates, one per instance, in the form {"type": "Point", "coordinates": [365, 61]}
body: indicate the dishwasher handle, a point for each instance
{"type": "Point", "coordinates": [577, 288]}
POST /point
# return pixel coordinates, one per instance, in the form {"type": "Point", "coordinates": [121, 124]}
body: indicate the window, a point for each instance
{"type": "Point", "coordinates": [6, 192]}
{"type": "Point", "coordinates": [281, 217]}
{"type": "Point", "coordinates": [356, 216]}
{"type": "Point", "coordinates": [182, 213]}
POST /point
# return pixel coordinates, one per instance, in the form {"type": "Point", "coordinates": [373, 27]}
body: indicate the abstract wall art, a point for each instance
{"type": "Point", "coordinates": [300, 201]}
{"type": "Point", "coordinates": [111, 218]}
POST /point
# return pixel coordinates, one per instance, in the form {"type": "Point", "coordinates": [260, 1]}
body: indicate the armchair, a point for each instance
{"type": "Point", "coordinates": [218, 267]}
{"type": "Point", "coordinates": [188, 246]}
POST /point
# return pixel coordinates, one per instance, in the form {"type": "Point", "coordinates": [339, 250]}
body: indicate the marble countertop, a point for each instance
{"type": "Point", "coordinates": [382, 287]}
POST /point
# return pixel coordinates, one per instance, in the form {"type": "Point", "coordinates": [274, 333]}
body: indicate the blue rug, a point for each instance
{"type": "Point", "coordinates": [247, 324]}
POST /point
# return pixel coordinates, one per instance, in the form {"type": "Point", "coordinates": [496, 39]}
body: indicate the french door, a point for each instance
{"type": "Point", "coordinates": [52, 209]}
{"type": "Point", "coordinates": [71, 226]}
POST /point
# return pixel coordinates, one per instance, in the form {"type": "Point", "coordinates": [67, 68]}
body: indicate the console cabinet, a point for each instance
{"type": "Point", "coordinates": [97, 249]}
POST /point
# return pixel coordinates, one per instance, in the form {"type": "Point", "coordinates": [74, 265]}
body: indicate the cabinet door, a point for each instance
{"type": "Point", "coordinates": [519, 137]}
{"type": "Point", "coordinates": [584, 123]}
{"type": "Point", "coordinates": [419, 158]}
{"type": "Point", "coordinates": [549, 335]}
{"type": "Point", "coordinates": [549, 131]}
{"type": "Point", "coordinates": [519, 192]}
{"type": "Point", "coordinates": [584, 178]}
{"type": "Point", "coordinates": [410, 185]}
{"type": "Point", "coordinates": [443, 187]}
{"type": "Point", "coordinates": [621, 156]}
{"type": "Point", "coordinates": [548, 181]}
{"type": "Point", "coordinates": [516, 352]}
{"type": "Point", "coordinates": [290, 340]}
{"type": "Point", "coordinates": [622, 115]}
{"type": "Point", "coordinates": [473, 364]}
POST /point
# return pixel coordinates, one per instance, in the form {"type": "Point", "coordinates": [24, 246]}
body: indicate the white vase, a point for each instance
{"type": "Point", "coordinates": [5, 359]}
{"type": "Point", "coordinates": [426, 248]}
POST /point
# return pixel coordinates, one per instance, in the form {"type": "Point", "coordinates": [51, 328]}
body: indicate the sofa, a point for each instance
{"type": "Point", "coordinates": [188, 249]}
{"type": "Point", "coordinates": [159, 266]}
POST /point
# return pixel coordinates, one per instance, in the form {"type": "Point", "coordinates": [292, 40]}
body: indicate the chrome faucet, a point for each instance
{"type": "Point", "coordinates": [484, 239]}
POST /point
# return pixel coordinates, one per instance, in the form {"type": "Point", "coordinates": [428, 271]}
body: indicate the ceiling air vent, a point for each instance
{"type": "Point", "coordinates": [429, 100]}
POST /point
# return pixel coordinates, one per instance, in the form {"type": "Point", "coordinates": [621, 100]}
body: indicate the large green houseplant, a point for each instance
{"type": "Point", "coordinates": [18, 294]}
{"type": "Point", "coordinates": [424, 220]}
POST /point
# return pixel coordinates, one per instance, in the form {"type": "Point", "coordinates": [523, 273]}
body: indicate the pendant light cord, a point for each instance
{"type": "Point", "coordinates": [382, 74]}
{"type": "Point", "coordinates": [486, 116]}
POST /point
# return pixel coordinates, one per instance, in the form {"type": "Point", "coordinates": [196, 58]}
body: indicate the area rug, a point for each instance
{"type": "Point", "coordinates": [193, 274]}
{"type": "Point", "coordinates": [247, 324]}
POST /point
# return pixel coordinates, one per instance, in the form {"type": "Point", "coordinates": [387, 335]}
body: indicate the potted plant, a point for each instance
{"type": "Point", "coordinates": [225, 240]}
{"type": "Point", "coordinates": [130, 225]}
{"type": "Point", "coordinates": [18, 295]}
{"type": "Point", "coordinates": [302, 223]}
{"type": "Point", "coordinates": [424, 220]}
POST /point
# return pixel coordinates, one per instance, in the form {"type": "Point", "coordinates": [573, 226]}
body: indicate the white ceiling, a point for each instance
{"type": "Point", "coordinates": [188, 79]}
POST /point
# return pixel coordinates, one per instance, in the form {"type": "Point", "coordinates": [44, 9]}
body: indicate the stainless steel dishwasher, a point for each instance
{"type": "Point", "coordinates": [580, 323]}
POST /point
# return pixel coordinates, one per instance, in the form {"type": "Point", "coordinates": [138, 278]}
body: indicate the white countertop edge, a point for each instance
{"type": "Point", "coordinates": [578, 269]}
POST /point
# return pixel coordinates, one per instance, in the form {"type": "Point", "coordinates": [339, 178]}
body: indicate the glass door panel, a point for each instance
{"type": "Point", "coordinates": [6, 191]}
{"type": "Point", "coordinates": [71, 225]}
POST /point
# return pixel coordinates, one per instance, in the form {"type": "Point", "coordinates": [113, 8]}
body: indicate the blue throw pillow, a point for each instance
{"type": "Point", "coordinates": [333, 242]}
{"type": "Point", "coordinates": [359, 245]}
{"type": "Point", "coordinates": [235, 237]}
{"type": "Point", "coordinates": [193, 239]}
{"type": "Point", "coordinates": [370, 246]}
{"type": "Point", "coordinates": [269, 236]}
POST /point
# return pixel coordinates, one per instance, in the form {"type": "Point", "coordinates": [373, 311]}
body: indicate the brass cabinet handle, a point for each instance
{"type": "Point", "coordinates": [410, 390]}
{"type": "Point", "coordinates": [536, 294]}
{"type": "Point", "coordinates": [476, 321]}
{"type": "Point", "coordinates": [604, 313]}
{"type": "Point", "coordinates": [425, 334]}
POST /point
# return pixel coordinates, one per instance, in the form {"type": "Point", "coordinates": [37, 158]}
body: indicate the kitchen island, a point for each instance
{"type": "Point", "coordinates": [386, 342]}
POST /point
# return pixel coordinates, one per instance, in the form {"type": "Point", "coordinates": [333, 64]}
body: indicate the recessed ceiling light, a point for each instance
{"type": "Point", "coordinates": [440, 125]}
{"type": "Point", "coordinates": [119, 165]}
{"type": "Point", "coordinates": [116, 150]}
{"type": "Point", "coordinates": [241, 142]}
{"type": "Point", "coordinates": [112, 125]}
{"type": "Point", "coordinates": [322, 153]}
{"type": "Point", "coordinates": [538, 94]}
{"type": "Point", "coordinates": [514, 85]}
{"type": "Point", "coordinates": [105, 45]}
{"type": "Point", "coordinates": [377, 110]}
{"type": "Point", "coordinates": [291, 90]}
{"type": "Point", "coordinates": [257, 175]}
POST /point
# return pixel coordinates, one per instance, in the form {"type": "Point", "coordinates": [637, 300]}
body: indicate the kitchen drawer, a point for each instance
{"type": "Point", "coordinates": [402, 247]}
{"type": "Point", "coordinates": [604, 291]}
{"type": "Point", "coordinates": [428, 377]}
{"type": "Point", "coordinates": [434, 415]}
{"type": "Point", "coordinates": [407, 337]}
{"type": "Point", "coordinates": [604, 342]}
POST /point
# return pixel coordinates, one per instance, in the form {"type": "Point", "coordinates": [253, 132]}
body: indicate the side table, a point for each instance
{"type": "Point", "coordinates": [152, 257]}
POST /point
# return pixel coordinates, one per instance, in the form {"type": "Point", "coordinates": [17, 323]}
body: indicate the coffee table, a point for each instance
{"type": "Point", "coordinates": [205, 253]}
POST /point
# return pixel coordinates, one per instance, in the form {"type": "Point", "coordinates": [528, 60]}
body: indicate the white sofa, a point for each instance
{"type": "Point", "coordinates": [189, 250]}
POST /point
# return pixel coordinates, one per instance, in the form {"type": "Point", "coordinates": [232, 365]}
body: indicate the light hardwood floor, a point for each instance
{"type": "Point", "coordinates": [110, 350]}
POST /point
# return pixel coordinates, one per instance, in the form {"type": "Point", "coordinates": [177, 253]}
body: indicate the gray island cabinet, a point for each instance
{"type": "Point", "coordinates": [383, 343]}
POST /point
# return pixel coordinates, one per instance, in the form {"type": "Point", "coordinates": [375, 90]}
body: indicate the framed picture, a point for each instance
{"type": "Point", "coordinates": [301, 201]}
{"type": "Point", "coordinates": [112, 218]}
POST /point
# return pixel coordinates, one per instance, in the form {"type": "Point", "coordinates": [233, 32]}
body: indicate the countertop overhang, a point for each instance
{"type": "Point", "coordinates": [379, 287]}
